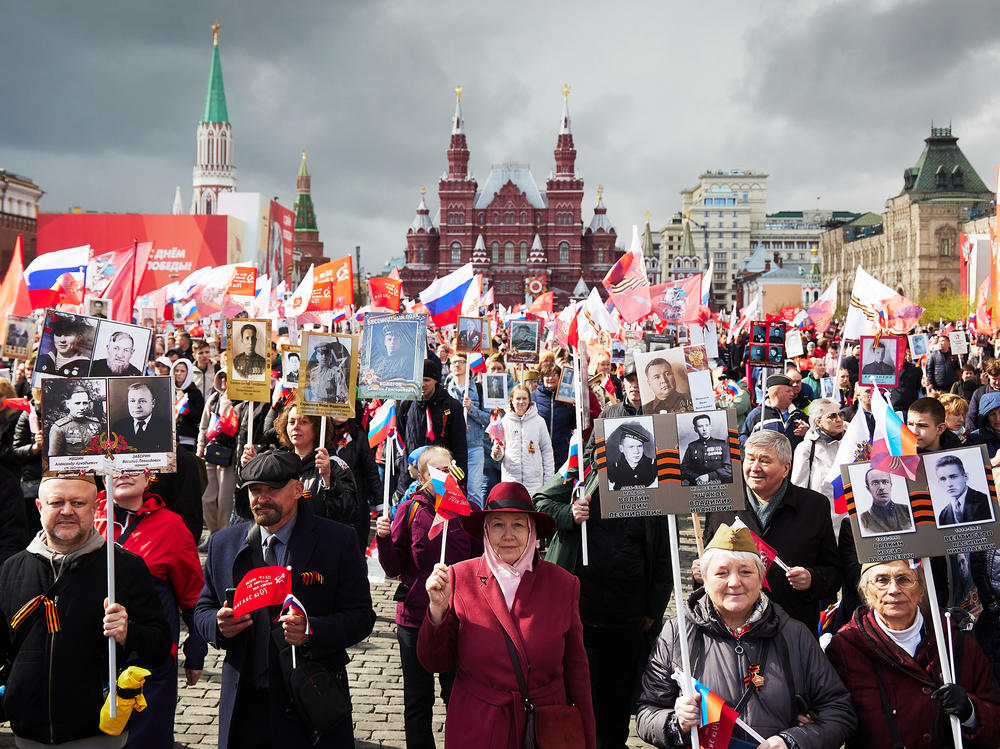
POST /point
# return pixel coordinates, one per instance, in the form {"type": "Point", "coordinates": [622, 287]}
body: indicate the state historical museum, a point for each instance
{"type": "Point", "coordinates": [523, 240]}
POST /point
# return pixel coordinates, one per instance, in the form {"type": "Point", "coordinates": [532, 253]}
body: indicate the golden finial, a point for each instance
{"type": "Point", "coordinates": [303, 153]}
{"type": "Point", "coordinates": [423, 190]}
{"type": "Point", "coordinates": [215, 33]}
{"type": "Point", "coordinates": [458, 93]}
{"type": "Point", "coordinates": [600, 192]}
{"type": "Point", "coordinates": [648, 214]}
{"type": "Point", "coordinates": [565, 91]}
{"type": "Point", "coordinates": [687, 215]}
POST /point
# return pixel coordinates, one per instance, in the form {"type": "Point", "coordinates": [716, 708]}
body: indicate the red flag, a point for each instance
{"type": "Point", "coordinates": [21, 404]}
{"type": "Point", "coordinates": [449, 502]}
{"type": "Point", "coordinates": [13, 290]}
{"type": "Point", "coordinates": [244, 281]}
{"type": "Point", "coordinates": [628, 286]}
{"type": "Point", "coordinates": [677, 301]}
{"type": "Point", "coordinates": [122, 288]}
{"type": "Point", "coordinates": [262, 586]}
{"type": "Point", "coordinates": [542, 303]}
{"type": "Point", "coordinates": [767, 555]}
{"type": "Point", "coordinates": [342, 286]}
{"type": "Point", "coordinates": [573, 336]}
{"type": "Point", "coordinates": [385, 292]}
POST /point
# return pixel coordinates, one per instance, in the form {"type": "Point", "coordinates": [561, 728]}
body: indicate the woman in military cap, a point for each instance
{"type": "Point", "coordinates": [70, 354]}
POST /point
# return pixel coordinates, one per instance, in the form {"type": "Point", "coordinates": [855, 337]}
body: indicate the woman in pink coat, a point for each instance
{"type": "Point", "coordinates": [506, 590]}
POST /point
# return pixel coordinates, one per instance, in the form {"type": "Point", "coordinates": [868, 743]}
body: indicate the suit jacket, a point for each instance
{"type": "Point", "coordinates": [485, 708]}
{"type": "Point", "coordinates": [157, 437]}
{"type": "Point", "coordinates": [339, 607]}
{"type": "Point", "coordinates": [100, 368]}
{"type": "Point", "coordinates": [977, 507]}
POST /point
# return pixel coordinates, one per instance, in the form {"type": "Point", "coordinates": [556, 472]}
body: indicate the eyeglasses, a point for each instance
{"type": "Point", "coordinates": [837, 416]}
{"type": "Point", "coordinates": [903, 582]}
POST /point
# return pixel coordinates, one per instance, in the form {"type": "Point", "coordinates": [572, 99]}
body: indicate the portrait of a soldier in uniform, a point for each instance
{"type": "Point", "coordinates": [704, 447]}
{"type": "Point", "coordinates": [74, 416]}
{"type": "Point", "coordinates": [631, 457]}
{"type": "Point", "coordinates": [249, 362]}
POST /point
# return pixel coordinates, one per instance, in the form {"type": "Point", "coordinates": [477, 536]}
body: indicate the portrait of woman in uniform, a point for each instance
{"type": "Point", "coordinates": [66, 346]}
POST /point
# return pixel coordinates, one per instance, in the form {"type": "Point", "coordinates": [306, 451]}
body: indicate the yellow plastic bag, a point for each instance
{"type": "Point", "coordinates": [129, 697]}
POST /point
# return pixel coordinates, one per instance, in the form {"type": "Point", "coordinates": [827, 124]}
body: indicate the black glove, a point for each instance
{"type": "Point", "coordinates": [954, 701]}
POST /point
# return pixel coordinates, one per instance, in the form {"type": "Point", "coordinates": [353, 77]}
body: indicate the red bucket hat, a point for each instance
{"type": "Point", "coordinates": [509, 496]}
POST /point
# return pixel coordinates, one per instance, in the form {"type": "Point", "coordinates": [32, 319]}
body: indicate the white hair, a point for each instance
{"type": "Point", "coordinates": [724, 555]}
{"type": "Point", "coordinates": [819, 408]}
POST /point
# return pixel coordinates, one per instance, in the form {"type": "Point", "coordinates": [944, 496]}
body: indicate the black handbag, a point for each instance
{"type": "Point", "coordinates": [218, 455]}
{"type": "Point", "coordinates": [319, 697]}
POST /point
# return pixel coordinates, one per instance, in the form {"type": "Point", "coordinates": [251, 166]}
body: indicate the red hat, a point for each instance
{"type": "Point", "coordinates": [509, 496]}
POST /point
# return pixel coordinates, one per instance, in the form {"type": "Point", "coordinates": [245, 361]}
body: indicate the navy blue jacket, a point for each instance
{"type": "Point", "coordinates": [559, 418]}
{"type": "Point", "coordinates": [339, 608]}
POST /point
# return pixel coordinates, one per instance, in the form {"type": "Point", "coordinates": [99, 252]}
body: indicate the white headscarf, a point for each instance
{"type": "Point", "coordinates": [508, 576]}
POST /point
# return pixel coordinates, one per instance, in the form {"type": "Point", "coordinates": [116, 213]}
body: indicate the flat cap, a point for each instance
{"type": "Point", "coordinates": [777, 379]}
{"type": "Point", "coordinates": [273, 468]}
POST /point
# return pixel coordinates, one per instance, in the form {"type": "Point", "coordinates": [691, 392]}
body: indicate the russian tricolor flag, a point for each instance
{"type": "Point", "coordinates": [898, 437]}
{"type": "Point", "coordinates": [445, 297]}
{"type": "Point", "coordinates": [383, 423]}
{"type": "Point", "coordinates": [717, 719]}
{"type": "Point", "coordinates": [58, 277]}
{"type": "Point", "coordinates": [573, 461]}
{"type": "Point", "coordinates": [477, 363]}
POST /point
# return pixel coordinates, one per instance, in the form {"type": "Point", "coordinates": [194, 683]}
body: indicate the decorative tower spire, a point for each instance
{"type": "Point", "coordinates": [458, 151]}
{"type": "Point", "coordinates": [178, 207]}
{"type": "Point", "coordinates": [214, 170]}
{"type": "Point", "coordinates": [306, 241]}
{"type": "Point", "coordinates": [565, 150]}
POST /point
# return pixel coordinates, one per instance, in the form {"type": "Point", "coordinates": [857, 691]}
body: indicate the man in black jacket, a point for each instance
{"type": "Point", "coordinates": [794, 521]}
{"type": "Point", "coordinates": [942, 368]}
{"type": "Point", "coordinates": [435, 419]}
{"type": "Point", "coordinates": [53, 594]}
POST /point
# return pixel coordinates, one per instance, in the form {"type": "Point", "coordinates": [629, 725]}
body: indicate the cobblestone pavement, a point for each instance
{"type": "Point", "coordinates": [375, 679]}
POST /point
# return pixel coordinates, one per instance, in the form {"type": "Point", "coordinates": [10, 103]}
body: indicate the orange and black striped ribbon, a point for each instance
{"type": "Point", "coordinates": [852, 510]}
{"type": "Point", "coordinates": [600, 455]}
{"type": "Point", "coordinates": [51, 615]}
{"type": "Point", "coordinates": [312, 578]}
{"type": "Point", "coordinates": [923, 509]}
{"type": "Point", "coordinates": [668, 465]}
{"type": "Point", "coordinates": [734, 444]}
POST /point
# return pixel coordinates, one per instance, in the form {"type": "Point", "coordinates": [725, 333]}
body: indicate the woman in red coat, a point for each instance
{"type": "Point", "coordinates": [506, 590]}
{"type": "Point", "coordinates": [888, 658]}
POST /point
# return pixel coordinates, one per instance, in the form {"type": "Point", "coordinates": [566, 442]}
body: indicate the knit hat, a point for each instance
{"type": "Point", "coordinates": [432, 369]}
{"type": "Point", "coordinates": [730, 539]}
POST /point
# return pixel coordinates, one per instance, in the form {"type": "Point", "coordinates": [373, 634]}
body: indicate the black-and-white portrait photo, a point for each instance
{"type": "Point", "coordinates": [74, 416]}
{"type": "Point", "coordinates": [703, 444]}
{"type": "Point", "coordinates": [918, 345]}
{"type": "Point", "coordinates": [758, 334]}
{"type": "Point", "coordinates": [631, 453]}
{"type": "Point", "coordinates": [566, 391]}
{"type": "Point", "coordinates": [663, 385]}
{"type": "Point", "coordinates": [617, 352]}
{"type": "Point", "coordinates": [120, 350]}
{"type": "Point", "coordinates": [19, 337]}
{"type": "Point", "coordinates": [393, 348]}
{"type": "Point", "coordinates": [524, 336]}
{"type": "Point", "coordinates": [248, 350]}
{"type": "Point", "coordinates": [290, 365]}
{"type": "Point", "coordinates": [878, 361]}
{"type": "Point", "coordinates": [956, 480]}
{"type": "Point", "coordinates": [882, 501]}
{"type": "Point", "coordinates": [327, 377]}
{"type": "Point", "coordinates": [66, 346]}
{"type": "Point", "coordinates": [758, 354]}
{"type": "Point", "coordinates": [775, 354]}
{"type": "Point", "coordinates": [658, 341]}
{"type": "Point", "coordinates": [141, 414]}
{"type": "Point", "coordinates": [470, 335]}
{"type": "Point", "coordinates": [494, 390]}
{"type": "Point", "coordinates": [776, 334]}
{"type": "Point", "coordinates": [99, 308]}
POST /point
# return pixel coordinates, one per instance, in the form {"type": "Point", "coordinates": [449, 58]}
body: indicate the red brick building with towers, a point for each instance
{"type": "Point", "coordinates": [522, 239]}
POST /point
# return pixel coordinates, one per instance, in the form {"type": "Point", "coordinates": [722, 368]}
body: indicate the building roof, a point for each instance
{"type": "Point", "coordinates": [600, 219]}
{"type": "Point", "coordinates": [942, 168]}
{"type": "Point", "coordinates": [422, 220]}
{"type": "Point", "coordinates": [215, 97]}
{"type": "Point", "coordinates": [867, 219]}
{"type": "Point", "coordinates": [520, 175]}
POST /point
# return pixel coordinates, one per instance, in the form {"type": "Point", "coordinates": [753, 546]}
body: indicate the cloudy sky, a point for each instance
{"type": "Point", "coordinates": [831, 99]}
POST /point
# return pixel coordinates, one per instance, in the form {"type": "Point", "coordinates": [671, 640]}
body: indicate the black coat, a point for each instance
{"type": "Point", "coordinates": [67, 671]}
{"type": "Point", "coordinates": [801, 531]}
{"type": "Point", "coordinates": [448, 423]}
{"type": "Point", "coordinates": [908, 390]}
{"type": "Point", "coordinates": [942, 370]}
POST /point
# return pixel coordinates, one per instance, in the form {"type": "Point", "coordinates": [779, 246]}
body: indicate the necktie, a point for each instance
{"type": "Point", "coordinates": [958, 512]}
{"type": "Point", "coordinates": [270, 557]}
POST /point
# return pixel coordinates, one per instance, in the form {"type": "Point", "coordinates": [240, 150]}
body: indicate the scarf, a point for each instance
{"type": "Point", "coordinates": [508, 576]}
{"type": "Point", "coordinates": [908, 639]}
{"type": "Point", "coordinates": [764, 510]}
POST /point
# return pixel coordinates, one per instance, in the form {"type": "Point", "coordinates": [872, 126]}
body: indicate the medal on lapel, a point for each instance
{"type": "Point", "coordinates": [754, 677]}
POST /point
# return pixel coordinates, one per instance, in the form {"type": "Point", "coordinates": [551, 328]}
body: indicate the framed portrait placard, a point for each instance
{"type": "Point", "coordinates": [959, 342]}
{"type": "Point", "coordinates": [393, 348]}
{"type": "Point", "coordinates": [248, 365]}
{"type": "Point", "coordinates": [881, 360]}
{"type": "Point", "coordinates": [327, 384]}
{"type": "Point", "coordinates": [84, 418]}
{"type": "Point", "coordinates": [148, 317]}
{"type": "Point", "coordinates": [472, 334]}
{"type": "Point", "coordinates": [82, 346]}
{"type": "Point", "coordinates": [524, 341]}
{"type": "Point", "coordinates": [793, 344]}
{"type": "Point", "coordinates": [97, 307]}
{"type": "Point", "coordinates": [617, 352]}
{"type": "Point", "coordinates": [950, 508]}
{"type": "Point", "coordinates": [495, 390]}
{"type": "Point", "coordinates": [566, 390]}
{"type": "Point", "coordinates": [291, 364]}
{"type": "Point", "coordinates": [658, 342]}
{"type": "Point", "coordinates": [918, 345]}
{"type": "Point", "coordinates": [668, 464]}
{"type": "Point", "coordinates": [19, 337]}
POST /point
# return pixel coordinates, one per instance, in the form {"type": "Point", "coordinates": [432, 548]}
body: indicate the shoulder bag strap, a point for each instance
{"type": "Point", "coordinates": [887, 709]}
{"type": "Point", "coordinates": [516, 662]}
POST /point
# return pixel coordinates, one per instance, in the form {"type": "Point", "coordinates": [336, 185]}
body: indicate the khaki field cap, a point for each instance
{"type": "Point", "coordinates": [732, 539]}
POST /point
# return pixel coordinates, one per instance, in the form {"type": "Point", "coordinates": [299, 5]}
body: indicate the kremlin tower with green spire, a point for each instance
{"type": "Point", "coordinates": [214, 171]}
{"type": "Point", "coordinates": [308, 248]}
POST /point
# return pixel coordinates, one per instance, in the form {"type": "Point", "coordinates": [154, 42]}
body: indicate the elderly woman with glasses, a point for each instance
{"type": "Point", "coordinates": [888, 658]}
{"type": "Point", "coordinates": [747, 650]}
{"type": "Point", "coordinates": [815, 455]}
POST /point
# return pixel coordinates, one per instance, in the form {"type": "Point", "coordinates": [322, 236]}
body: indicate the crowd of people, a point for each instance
{"type": "Point", "coordinates": [509, 622]}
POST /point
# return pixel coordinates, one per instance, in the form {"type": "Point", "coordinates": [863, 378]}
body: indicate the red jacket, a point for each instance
{"type": "Point", "coordinates": [485, 708]}
{"type": "Point", "coordinates": [165, 544]}
{"type": "Point", "coordinates": [909, 683]}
